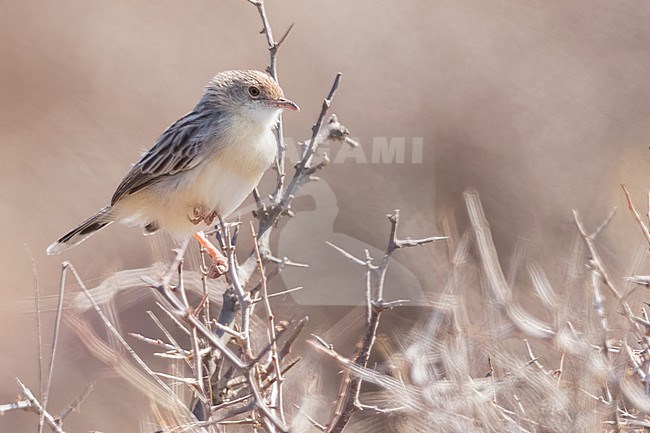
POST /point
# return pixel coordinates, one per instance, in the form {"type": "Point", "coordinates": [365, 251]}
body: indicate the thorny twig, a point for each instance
{"type": "Point", "coordinates": [74, 405]}
{"type": "Point", "coordinates": [36, 406]}
{"type": "Point", "coordinates": [239, 276]}
{"type": "Point", "coordinates": [268, 215]}
{"type": "Point", "coordinates": [180, 308]}
{"type": "Point", "coordinates": [18, 405]}
{"type": "Point", "coordinates": [497, 283]}
{"type": "Point", "coordinates": [209, 350]}
{"type": "Point", "coordinates": [110, 326]}
{"type": "Point", "coordinates": [39, 331]}
{"type": "Point", "coordinates": [55, 340]}
{"type": "Point", "coordinates": [276, 393]}
{"type": "Point", "coordinates": [595, 262]}
{"type": "Point", "coordinates": [274, 48]}
{"type": "Point", "coordinates": [31, 402]}
{"type": "Point", "coordinates": [348, 398]}
{"type": "Point", "coordinates": [637, 216]}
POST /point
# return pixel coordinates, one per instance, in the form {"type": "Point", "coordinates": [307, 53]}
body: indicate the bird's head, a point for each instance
{"type": "Point", "coordinates": [252, 94]}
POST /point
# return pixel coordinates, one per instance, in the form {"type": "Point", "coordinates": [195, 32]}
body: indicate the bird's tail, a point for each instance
{"type": "Point", "coordinates": [93, 224]}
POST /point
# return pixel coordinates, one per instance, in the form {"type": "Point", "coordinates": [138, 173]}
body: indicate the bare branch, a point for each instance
{"type": "Point", "coordinates": [394, 243]}
{"type": "Point", "coordinates": [281, 199]}
{"type": "Point", "coordinates": [276, 399]}
{"type": "Point", "coordinates": [176, 347]}
{"type": "Point", "coordinates": [595, 260]}
{"type": "Point", "coordinates": [74, 405]}
{"type": "Point", "coordinates": [55, 340]}
{"type": "Point", "coordinates": [36, 406]}
{"type": "Point", "coordinates": [347, 254]}
{"type": "Point", "coordinates": [637, 216]}
{"type": "Point", "coordinates": [315, 130]}
{"type": "Point", "coordinates": [19, 405]}
{"type": "Point", "coordinates": [347, 402]}
{"type": "Point", "coordinates": [39, 330]}
{"type": "Point", "coordinates": [155, 342]}
{"type": "Point", "coordinates": [284, 292]}
{"type": "Point", "coordinates": [273, 46]}
{"type": "Point", "coordinates": [489, 258]}
{"type": "Point", "coordinates": [111, 328]}
{"type": "Point", "coordinates": [312, 420]}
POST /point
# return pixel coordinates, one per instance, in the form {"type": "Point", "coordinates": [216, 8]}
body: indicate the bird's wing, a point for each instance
{"type": "Point", "coordinates": [179, 148]}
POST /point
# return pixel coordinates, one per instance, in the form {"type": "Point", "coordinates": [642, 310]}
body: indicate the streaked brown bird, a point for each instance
{"type": "Point", "coordinates": [202, 167]}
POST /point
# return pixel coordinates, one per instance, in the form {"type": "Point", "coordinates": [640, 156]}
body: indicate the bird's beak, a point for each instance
{"type": "Point", "coordinates": [284, 104]}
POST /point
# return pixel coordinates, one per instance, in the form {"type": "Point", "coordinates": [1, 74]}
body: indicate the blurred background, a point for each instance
{"type": "Point", "coordinates": [542, 106]}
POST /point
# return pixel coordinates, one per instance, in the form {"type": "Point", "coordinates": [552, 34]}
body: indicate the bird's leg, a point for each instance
{"type": "Point", "coordinates": [219, 261]}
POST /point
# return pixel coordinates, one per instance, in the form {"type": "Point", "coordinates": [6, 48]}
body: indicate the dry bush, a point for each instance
{"type": "Point", "coordinates": [498, 368]}
{"type": "Point", "coordinates": [229, 363]}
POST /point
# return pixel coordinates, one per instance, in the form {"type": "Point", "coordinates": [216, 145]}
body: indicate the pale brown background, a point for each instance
{"type": "Point", "coordinates": [541, 105]}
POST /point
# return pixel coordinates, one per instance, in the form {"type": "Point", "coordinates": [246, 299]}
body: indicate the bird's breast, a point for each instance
{"type": "Point", "coordinates": [226, 178]}
{"type": "Point", "coordinates": [249, 153]}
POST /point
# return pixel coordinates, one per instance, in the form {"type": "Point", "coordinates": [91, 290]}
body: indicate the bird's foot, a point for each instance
{"type": "Point", "coordinates": [209, 218]}
{"type": "Point", "coordinates": [199, 213]}
{"type": "Point", "coordinates": [202, 213]}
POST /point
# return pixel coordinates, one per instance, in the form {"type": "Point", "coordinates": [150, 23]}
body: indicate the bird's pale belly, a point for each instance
{"type": "Point", "coordinates": [172, 203]}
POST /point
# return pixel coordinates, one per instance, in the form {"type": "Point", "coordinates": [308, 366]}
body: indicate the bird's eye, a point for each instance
{"type": "Point", "coordinates": [254, 91]}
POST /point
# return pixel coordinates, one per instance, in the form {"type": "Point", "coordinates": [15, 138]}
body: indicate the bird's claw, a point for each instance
{"type": "Point", "coordinates": [202, 213]}
{"type": "Point", "coordinates": [217, 269]}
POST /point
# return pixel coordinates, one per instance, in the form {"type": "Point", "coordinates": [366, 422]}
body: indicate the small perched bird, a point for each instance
{"type": "Point", "coordinates": [202, 167]}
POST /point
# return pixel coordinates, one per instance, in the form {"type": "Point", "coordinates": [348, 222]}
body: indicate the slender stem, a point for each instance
{"type": "Point", "coordinates": [40, 409]}
{"type": "Point", "coordinates": [277, 388]}
{"type": "Point", "coordinates": [55, 341]}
